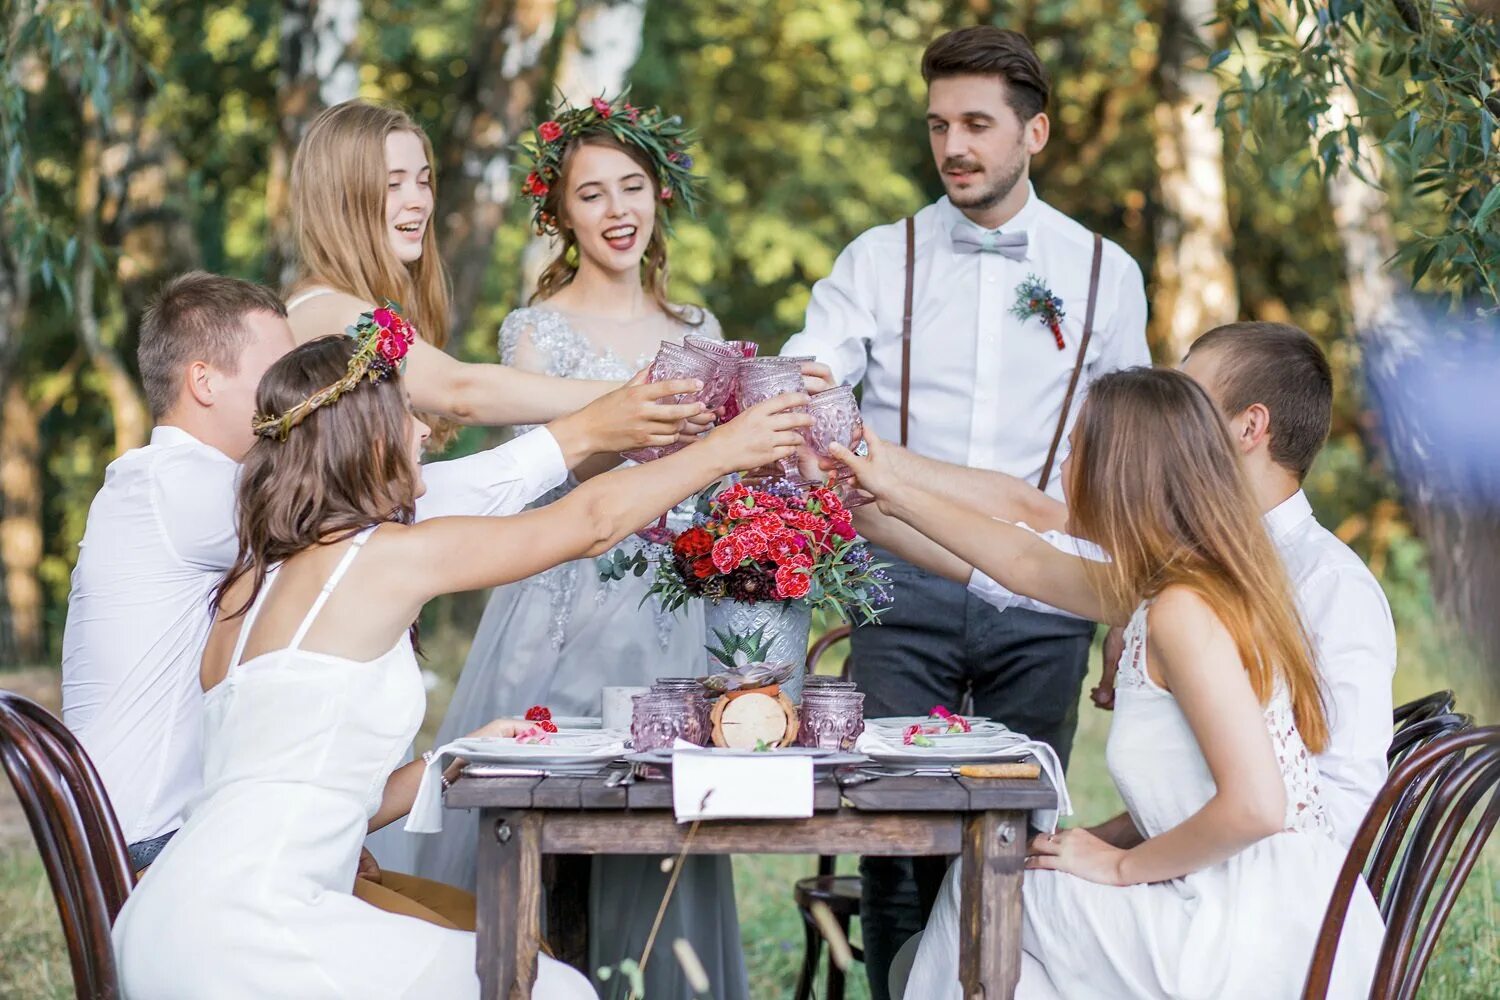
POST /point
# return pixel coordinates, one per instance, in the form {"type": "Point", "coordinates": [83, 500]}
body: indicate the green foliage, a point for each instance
{"type": "Point", "coordinates": [1423, 80]}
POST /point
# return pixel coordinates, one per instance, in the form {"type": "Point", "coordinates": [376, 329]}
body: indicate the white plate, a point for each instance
{"type": "Point", "coordinates": [902, 721]}
{"type": "Point", "coordinates": [949, 754]}
{"type": "Point", "coordinates": [591, 722]}
{"type": "Point", "coordinates": [565, 749]}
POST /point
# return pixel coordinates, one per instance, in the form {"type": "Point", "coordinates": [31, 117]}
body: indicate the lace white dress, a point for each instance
{"type": "Point", "coordinates": [1244, 928]}
{"type": "Point", "coordinates": [253, 897]}
{"type": "Point", "coordinates": [557, 639]}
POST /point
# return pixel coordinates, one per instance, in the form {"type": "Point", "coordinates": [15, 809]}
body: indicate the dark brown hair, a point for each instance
{"type": "Point", "coordinates": [564, 267]}
{"type": "Point", "coordinates": [1282, 368]}
{"type": "Point", "coordinates": [196, 317]}
{"type": "Point", "coordinates": [345, 467]}
{"type": "Point", "coordinates": [985, 50]}
{"type": "Point", "coordinates": [1154, 480]}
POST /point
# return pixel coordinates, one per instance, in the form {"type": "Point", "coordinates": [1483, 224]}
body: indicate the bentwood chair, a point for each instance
{"type": "Point", "coordinates": [1443, 794]}
{"type": "Point", "coordinates": [840, 893]}
{"type": "Point", "coordinates": [77, 835]}
{"type": "Point", "coordinates": [1420, 722]}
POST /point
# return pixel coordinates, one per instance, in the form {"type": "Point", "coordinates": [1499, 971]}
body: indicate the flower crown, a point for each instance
{"type": "Point", "coordinates": [384, 337]}
{"type": "Point", "coordinates": [663, 139]}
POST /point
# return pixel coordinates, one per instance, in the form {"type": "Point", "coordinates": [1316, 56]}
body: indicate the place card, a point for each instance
{"type": "Point", "coordinates": [706, 785]}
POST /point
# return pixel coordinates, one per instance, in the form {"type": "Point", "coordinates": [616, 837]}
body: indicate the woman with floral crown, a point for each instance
{"type": "Point", "coordinates": [313, 692]}
{"type": "Point", "coordinates": [604, 177]}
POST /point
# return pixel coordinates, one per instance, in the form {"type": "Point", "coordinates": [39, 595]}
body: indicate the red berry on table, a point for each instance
{"type": "Point", "coordinates": [539, 713]}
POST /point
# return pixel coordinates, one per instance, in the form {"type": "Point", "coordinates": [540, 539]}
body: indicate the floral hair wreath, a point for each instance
{"type": "Point", "coordinates": [663, 139]}
{"type": "Point", "coordinates": [384, 337]}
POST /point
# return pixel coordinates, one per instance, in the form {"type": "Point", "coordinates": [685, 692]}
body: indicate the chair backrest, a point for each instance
{"type": "Point", "coordinates": [825, 642]}
{"type": "Point", "coordinates": [1437, 703]}
{"type": "Point", "coordinates": [1407, 837]}
{"type": "Point", "coordinates": [76, 832]}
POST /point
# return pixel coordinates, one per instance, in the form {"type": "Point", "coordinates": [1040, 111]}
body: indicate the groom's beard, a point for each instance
{"type": "Point", "coordinates": [990, 195]}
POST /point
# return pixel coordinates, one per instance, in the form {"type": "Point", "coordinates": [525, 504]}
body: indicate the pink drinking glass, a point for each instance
{"type": "Point", "coordinates": [837, 420]}
{"type": "Point", "coordinates": [675, 361]}
{"type": "Point", "coordinates": [762, 383]}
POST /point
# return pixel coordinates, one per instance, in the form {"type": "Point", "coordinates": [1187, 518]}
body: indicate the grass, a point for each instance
{"type": "Point", "coordinates": [33, 959]}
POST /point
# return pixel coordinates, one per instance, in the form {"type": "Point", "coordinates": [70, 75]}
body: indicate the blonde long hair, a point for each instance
{"type": "Point", "coordinates": [563, 268]}
{"type": "Point", "coordinates": [1154, 480]}
{"type": "Point", "coordinates": [338, 213]}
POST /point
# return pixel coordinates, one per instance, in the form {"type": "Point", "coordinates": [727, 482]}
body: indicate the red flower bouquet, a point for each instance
{"type": "Point", "coordinates": [778, 543]}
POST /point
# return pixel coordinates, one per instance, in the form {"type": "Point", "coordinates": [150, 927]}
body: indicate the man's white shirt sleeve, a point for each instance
{"type": "Point", "coordinates": [499, 481]}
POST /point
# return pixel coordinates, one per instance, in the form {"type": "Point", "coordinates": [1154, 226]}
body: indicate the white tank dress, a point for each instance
{"type": "Point", "coordinates": [253, 897]}
{"type": "Point", "coordinates": [1240, 930]}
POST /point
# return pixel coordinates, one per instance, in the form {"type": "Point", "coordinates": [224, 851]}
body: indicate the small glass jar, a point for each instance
{"type": "Point", "coordinates": [832, 718]}
{"type": "Point", "coordinates": [826, 681]}
{"type": "Point", "coordinates": [696, 693]}
{"type": "Point", "coordinates": [660, 718]}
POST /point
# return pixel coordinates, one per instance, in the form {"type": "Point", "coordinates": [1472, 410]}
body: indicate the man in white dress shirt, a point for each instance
{"type": "Point", "coordinates": [977, 386]}
{"type": "Point", "coordinates": [1274, 386]}
{"type": "Point", "coordinates": [161, 534]}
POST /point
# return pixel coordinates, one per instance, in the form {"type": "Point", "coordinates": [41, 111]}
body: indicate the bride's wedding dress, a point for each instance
{"type": "Point", "coordinates": [253, 897]}
{"type": "Point", "coordinates": [1243, 928]}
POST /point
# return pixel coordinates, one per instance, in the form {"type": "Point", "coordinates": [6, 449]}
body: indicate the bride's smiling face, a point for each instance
{"type": "Point", "coordinates": [610, 204]}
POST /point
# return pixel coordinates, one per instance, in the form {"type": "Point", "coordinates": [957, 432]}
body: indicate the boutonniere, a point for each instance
{"type": "Point", "coordinates": [1034, 298]}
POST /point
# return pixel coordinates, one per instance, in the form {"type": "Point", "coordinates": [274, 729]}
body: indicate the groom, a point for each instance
{"type": "Point", "coordinates": [161, 534]}
{"type": "Point", "coordinates": [949, 321]}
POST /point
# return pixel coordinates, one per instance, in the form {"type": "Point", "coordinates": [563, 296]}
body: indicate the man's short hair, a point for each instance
{"type": "Point", "coordinates": [985, 50]}
{"type": "Point", "coordinates": [1282, 368]}
{"type": "Point", "coordinates": [196, 317]}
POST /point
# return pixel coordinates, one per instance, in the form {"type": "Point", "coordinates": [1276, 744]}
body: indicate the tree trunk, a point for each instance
{"type": "Point", "coordinates": [507, 73]}
{"type": "Point", "coordinates": [23, 639]}
{"type": "Point", "coordinates": [598, 51]}
{"type": "Point", "coordinates": [317, 68]}
{"type": "Point", "coordinates": [132, 422]}
{"type": "Point", "coordinates": [1195, 287]}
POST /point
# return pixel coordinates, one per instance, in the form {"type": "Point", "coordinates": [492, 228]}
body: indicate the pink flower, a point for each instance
{"type": "Point", "coordinates": [752, 541]}
{"type": "Point", "coordinates": [391, 346]}
{"type": "Point", "coordinates": [533, 734]}
{"type": "Point", "coordinates": [632, 112]}
{"type": "Point", "coordinates": [549, 131]}
{"type": "Point", "coordinates": [666, 193]}
{"type": "Point", "coordinates": [728, 553]}
{"type": "Point", "coordinates": [784, 545]}
{"type": "Point", "coordinates": [736, 492]}
{"type": "Point", "coordinates": [792, 584]}
{"type": "Point", "coordinates": [799, 561]}
{"type": "Point", "coordinates": [844, 529]}
{"type": "Point", "coordinates": [384, 318]}
{"type": "Point", "coordinates": [602, 106]}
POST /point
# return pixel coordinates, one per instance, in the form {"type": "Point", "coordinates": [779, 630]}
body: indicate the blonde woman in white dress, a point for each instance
{"type": "Point", "coordinates": [1220, 887]}
{"type": "Point", "coordinates": [558, 638]}
{"type": "Point", "coordinates": [313, 692]}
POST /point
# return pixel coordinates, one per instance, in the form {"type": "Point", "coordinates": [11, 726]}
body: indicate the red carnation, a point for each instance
{"type": "Point", "coordinates": [602, 106]}
{"type": "Point", "coordinates": [536, 713]}
{"type": "Point", "coordinates": [736, 492]}
{"type": "Point", "coordinates": [783, 545]}
{"type": "Point", "coordinates": [384, 318]}
{"type": "Point", "coordinates": [536, 186]}
{"type": "Point", "coordinates": [549, 131]}
{"type": "Point", "coordinates": [844, 529]}
{"type": "Point", "coordinates": [547, 726]}
{"type": "Point", "coordinates": [632, 112]}
{"type": "Point", "coordinates": [791, 584]}
{"type": "Point", "coordinates": [391, 347]}
{"type": "Point", "coordinates": [728, 553]}
{"type": "Point", "coordinates": [694, 543]}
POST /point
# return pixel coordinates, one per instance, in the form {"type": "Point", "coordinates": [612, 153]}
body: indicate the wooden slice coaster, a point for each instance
{"type": "Point", "coordinates": [744, 719]}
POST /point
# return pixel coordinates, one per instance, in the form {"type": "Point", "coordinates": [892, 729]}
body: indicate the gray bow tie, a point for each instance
{"type": "Point", "coordinates": [967, 239]}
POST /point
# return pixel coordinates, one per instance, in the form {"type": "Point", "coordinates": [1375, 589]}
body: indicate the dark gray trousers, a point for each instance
{"type": "Point", "coordinates": [936, 644]}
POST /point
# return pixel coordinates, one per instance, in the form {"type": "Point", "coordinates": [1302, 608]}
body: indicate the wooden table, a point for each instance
{"type": "Point", "coordinates": [523, 819]}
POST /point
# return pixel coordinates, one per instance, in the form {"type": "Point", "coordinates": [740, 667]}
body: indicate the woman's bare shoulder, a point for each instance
{"type": "Point", "coordinates": [323, 315]}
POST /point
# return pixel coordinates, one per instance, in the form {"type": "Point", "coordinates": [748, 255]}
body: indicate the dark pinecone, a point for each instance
{"type": "Point", "coordinates": [714, 588]}
{"type": "Point", "coordinates": [749, 584]}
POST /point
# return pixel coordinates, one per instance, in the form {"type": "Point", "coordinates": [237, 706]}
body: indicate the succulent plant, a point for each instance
{"type": "Point", "coordinates": [744, 662]}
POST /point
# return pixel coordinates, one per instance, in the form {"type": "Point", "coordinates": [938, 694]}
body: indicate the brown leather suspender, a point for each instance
{"type": "Point", "coordinates": [911, 277]}
{"type": "Point", "coordinates": [1083, 344]}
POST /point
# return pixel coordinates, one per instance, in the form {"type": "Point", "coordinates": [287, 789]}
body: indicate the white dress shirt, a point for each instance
{"type": "Point", "coordinates": [986, 388]}
{"type": "Point", "coordinates": [159, 538]}
{"type": "Point", "coordinates": [1348, 621]}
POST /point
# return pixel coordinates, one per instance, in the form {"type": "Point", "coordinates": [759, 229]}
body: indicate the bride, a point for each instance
{"type": "Point", "coordinates": [1220, 887]}
{"type": "Point", "coordinates": [603, 183]}
{"type": "Point", "coordinates": [313, 692]}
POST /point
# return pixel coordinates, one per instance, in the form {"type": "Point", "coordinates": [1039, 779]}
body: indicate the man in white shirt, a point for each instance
{"type": "Point", "coordinates": [1274, 386]}
{"type": "Point", "coordinates": [161, 533]}
{"type": "Point", "coordinates": [975, 385]}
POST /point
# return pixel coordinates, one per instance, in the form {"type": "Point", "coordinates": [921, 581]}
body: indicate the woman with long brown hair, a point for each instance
{"type": "Point", "coordinates": [363, 196]}
{"type": "Point", "coordinates": [1217, 713]}
{"type": "Point", "coordinates": [313, 691]}
{"type": "Point", "coordinates": [602, 179]}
